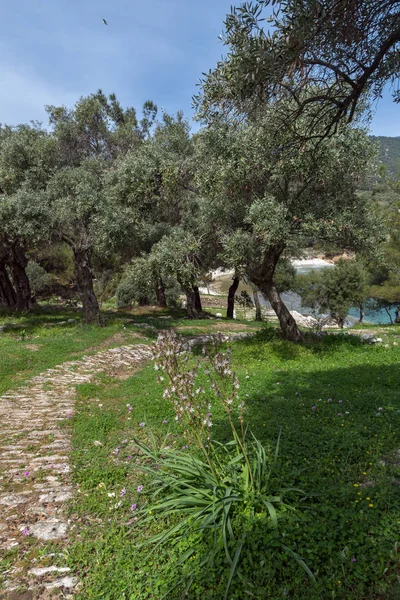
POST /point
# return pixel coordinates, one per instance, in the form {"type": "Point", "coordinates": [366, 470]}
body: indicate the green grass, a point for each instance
{"type": "Point", "coordinates": [37, 341]}
{"type": "Point", "coordinates": [29, 351]}
{"type": "Point", "coordinates": [329, 455]}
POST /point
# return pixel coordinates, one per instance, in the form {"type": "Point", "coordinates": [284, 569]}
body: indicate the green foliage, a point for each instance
{"type": "Point", "coordinates": [389, 153]}
{"type": "Point", "coordinates": [137, 286]}
{"type": "Point", "coordinates": [244, 301]}
{"type": "Point", "coordinates": [180, 256]}
{"type": "Point", "coordinates": [39, 279]}
{"type": "Point", "coordinates": [285, 276]}
{"type": "Point", "coordinates": [335, 290]}
{"type": "Point", "coordinates": [314, 54]}
{"type": "Point", "coordinates": [140, 285]}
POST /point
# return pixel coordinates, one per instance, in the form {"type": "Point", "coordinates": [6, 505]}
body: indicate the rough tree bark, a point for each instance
{"type": "Point", "coordinates": [197, 299]}
{"type": "Point", "coordinates": [257, 305]}
{"type": "Point", "coordinates": [262, 277]}
{"type": "Point", "coordinates": [8, 297]}
{"type": "Point", "coordinates": [17, 262]}
{"type": "Point", "coordinates": [288, 325]}
{"type": "Point", "coordinates": [231, 298]}
{"type": "Point", "coordinates": [160, 294]}
{"type": "Point", "coordinates": [192, 303]}
{"type": "Point", "coordinates": [84, 281]}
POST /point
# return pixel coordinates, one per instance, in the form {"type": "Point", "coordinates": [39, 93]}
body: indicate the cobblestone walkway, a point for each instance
{"type": "Point", "coordinates": [34, 469]}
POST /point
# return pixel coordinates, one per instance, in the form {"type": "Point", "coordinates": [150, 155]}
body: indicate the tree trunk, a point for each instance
{"type": "Point", "coordinates": [389, 315]}
{"type": "Point", "coordinates": [18, 263]}
{"type": "Point", "coordinates": [160, 294]}
{"type": "Point", "coordinates": [8, 297]}
{"type": "Point", "coordinates": [231, 298]}
{"type": "Point", "coordinates": [263, 278]}
{"type": "Point", "coordinates": [197, 299]}
{"type": "Point", "coordinates": [84, 281]}
{"type": "Point", "coordinates": [288, 325]}
{"type": "Point", "coordinates": [339, 320]}
{"type": "Point", "coordinates": [257, 305]}
{"type": "Point", "coordinates": [362, 313]}
{"type": "Point", "coordinates": [192, 303]}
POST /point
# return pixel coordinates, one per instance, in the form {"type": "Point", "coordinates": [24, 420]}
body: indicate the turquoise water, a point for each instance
{"type": "Point", "coordinates": [378, 317]}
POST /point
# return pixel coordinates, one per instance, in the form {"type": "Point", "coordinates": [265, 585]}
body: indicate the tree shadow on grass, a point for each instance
{"type": "Point", "coordinates": [334, 439]}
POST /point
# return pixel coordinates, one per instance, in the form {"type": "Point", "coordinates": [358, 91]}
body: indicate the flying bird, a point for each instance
{"type": "Point", "coordinates": [105, 22]}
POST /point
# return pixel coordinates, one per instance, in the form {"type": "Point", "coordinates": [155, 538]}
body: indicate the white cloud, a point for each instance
{"type": "Point", "coordinates": [25, 95]}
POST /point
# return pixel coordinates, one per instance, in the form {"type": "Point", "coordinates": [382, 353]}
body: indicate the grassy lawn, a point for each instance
{"type": "Point", "coordinates": [31, 344]}
{"type": "Point", "coordinates": [338, 405]}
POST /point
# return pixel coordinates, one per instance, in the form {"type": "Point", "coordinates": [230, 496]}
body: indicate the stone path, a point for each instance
{"type": "Point", "coordinates": [34, 468]}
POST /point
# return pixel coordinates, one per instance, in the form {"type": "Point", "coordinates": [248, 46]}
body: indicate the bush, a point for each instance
{"type": "Point", "coordinates": [335, 290]}
{"type": "Point", "coordinates": [39, 279]}
{"type": "Point", "coordinates": [140, 284]}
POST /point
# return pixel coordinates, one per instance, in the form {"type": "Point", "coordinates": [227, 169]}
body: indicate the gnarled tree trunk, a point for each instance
{"type": "Point", "coordinates": [84, 282]}
{"type": "Point", "coordinates": [288, 325]}
{"type": "Point", "coordinates": [193, 303]}
{"type": "Point", "coordinates": [257, 305]}
{"type": "Point", "coordinates": [231, 297]}
{"type": "Point", "coordinates": [160, 293]}
{"type": "Point", "coordinates": [8, 297]}
{"type": "Point", "coordinates": [262, 277]}
{"type": "Point", "coordinates": [17, 263]}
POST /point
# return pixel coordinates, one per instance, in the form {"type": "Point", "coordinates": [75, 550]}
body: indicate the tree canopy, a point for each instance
{"type": "Point", "coordinates": [328, 56]}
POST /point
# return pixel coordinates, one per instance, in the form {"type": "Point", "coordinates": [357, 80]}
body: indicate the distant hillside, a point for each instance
{"type": "Point", "coordinates": [389, 153]}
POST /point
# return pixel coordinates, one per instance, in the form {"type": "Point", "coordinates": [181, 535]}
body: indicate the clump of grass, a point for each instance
{"type": "Point", "coordinates": [223, 489]}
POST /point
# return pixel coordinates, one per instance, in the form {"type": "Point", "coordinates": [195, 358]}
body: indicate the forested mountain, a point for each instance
{"type": "Point", "coordinates": [389, 152]}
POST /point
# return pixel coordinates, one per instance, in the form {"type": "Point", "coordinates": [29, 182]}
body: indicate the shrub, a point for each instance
{"type": "Point", "coordinates": [39, 279]}
{"type": "Point", "coordinates": [139, 286]}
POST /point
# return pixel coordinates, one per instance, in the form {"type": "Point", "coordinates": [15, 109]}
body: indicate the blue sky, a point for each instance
{"type": "Point", "coordinates": [54, 51]}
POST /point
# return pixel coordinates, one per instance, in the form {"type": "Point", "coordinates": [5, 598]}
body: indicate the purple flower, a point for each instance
{"type": "Point", "coordinates": [185, 447]}
{"type": "Point", "coordinates": [27, 473]}
{"type": "Point", "coordinates": [139, 488]}
{"type": "Point", "coordinates": [165, 421]}
{"type": "Point", "coordinates": [68, 415]}
{"type": "Point", "coordinates": [313, 408]}
{"type": "Point", "coordinates": [130, 457]}
{"type": "Point", "coordinates": [116, 451]}
{"type": "Point", "coordinates": [124, 442]}
{"type": "Point", "coordinates": [130, 408]}
{"type": "Point", "coordinates": [329, 400]}
{"type": "Point", "coordinates": [339, 414]}
{"type": "Point", "coordinates": [122, 492]}
{"type": "Point", "coordinates": [340, 401]}
{"type": "Point", "coordinates": [25, 531]}
{"type": "Point", "coordinates": [354, 559]}
{"type": "Point", "coordinates": [133, 507]}
{"type": "Point", "coordinates": [142, 424]}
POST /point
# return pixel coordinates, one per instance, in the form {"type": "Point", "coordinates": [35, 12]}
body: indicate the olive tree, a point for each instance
{"type": "Point", "coordinates": [90, 140]}
{"type": "Point", "coordinates": [265, 198]}
{"type": "Point", "coordinates": [26, 164]}
{"type": "Point", "coordinates": [181, 255]}
{"type": "Point", "coordinates": [328, 56]}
